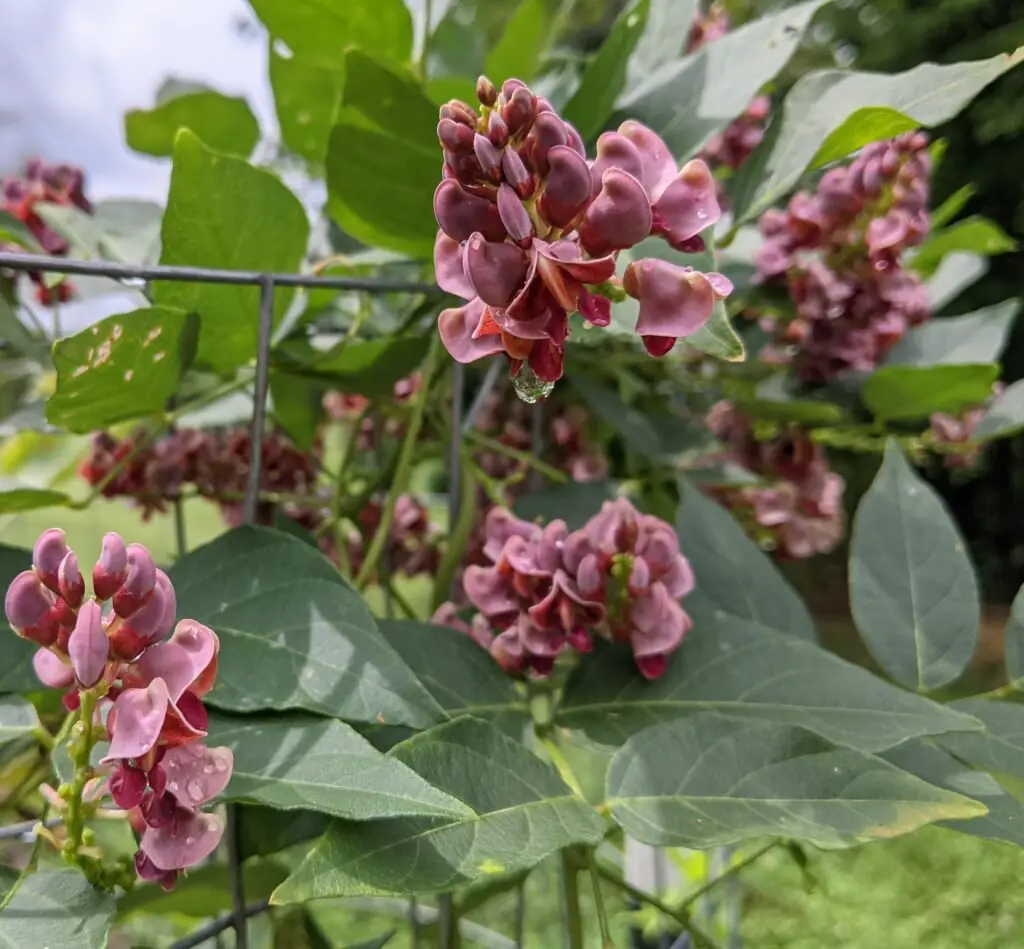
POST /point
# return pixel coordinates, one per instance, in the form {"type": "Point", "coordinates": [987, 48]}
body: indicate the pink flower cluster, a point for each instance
{"type": "Point", "coordinates": [44, 184]}
{"type": "Point", "coordinates": [530, 230]}
{"type": "Point", "coordinates": [840, 251]}
{"type": "Point", "coordinates": [546, 590]}
{"type": "Point", "coordinates": [798, 509]}
{"type": "Point", "coordinates": [955, 434]}
{"type": "Point", "coordinates": [156, 766]}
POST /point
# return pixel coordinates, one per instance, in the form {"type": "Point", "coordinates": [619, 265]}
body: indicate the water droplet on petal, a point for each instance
{"type": "Point", "coordinates": [530, 387]}
{"type": "Point", "coordinates": [195, 791]}
{"type": "Point", "coordinates": [701, 214]}
{"type": "Point", "coordinates": [173, 786]}
{"type": "Point", "coordinates": [190, 839]}
{"type": "Point", "coordinates": [207, 769]}
{"type": "Point", "coordinates": [220, 764]}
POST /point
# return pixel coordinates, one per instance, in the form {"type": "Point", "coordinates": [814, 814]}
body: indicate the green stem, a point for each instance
{"type": "Point", "coordinates": [561, 765]}
{"type": "Point", "coordinates": [568, 874]}
{"type": "Point", "coordinates": [44, 737]}
{"type": "Point", "coordinates": [347, 455]}
{"type": "Point", "coordinates": [491, 444]}
{"type": "Point", "coordinates": [205, 398]}
{"type": "Point", "coordinates": [602, 914]}
{"type": "Point", "coordinates": [403, 470]}
{"type": "Point", "coordinates": [732, 870]}
{"type": "Point", "coordinates": [80, 748]}
{"type": "Point", "coordinates": [1003, 692]}
{"type": "Point", "coordinates": [30, 866]}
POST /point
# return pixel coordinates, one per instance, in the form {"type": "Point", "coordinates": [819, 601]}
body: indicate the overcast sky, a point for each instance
{"type": "Point", "coordinates": [70, 68]}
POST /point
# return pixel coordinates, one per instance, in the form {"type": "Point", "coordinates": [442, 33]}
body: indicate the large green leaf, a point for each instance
{"type": "Point", "coordinates": [294, 634]}
{"type": "Point", "coordinates": [307, 97]}
{"type": "Point", "coordinates": [57, 909]}
{"type": "Point", "coordinates": [125, 366]}
{"type": "Point", "coordinates": [739, 668]}
{"type": "Point", "coordinates": [630, 424]}
{"type": "Point", "coordinates": [1005, 416]}
{"type": "Point", "coordinates": [222, 122]}
{"type": "Point", "coordinates": [294, 761]}
{"type": "Point", "coordinates": [321, 31]}
{"type": "Point", "coordinates": [523, 813]}
{"type": "Point", "coordinates": [517, 53]}
{"type": "Point", "coordinates": [298, 407]}
{"type": "Point", "coordinates": [975, 234]}
{"type": "Point", "coordinates": [390, 98]}
{"type": "Point", "coordinates": [1005, 817]}
{"type": "Point", "coordinates": [977, 337]}
{"type": "Point", "coordinates": [19, 500]}
{"type": "Point", "coordinates": [223, 212]}
{"type": "Point", "coordinates": [1015, 639]}
{"type": "Point", "coordinates": [665, 31]}
{"type": "Point", "coordinates": [998, 749]}
{"type": "Point", "coordinates": [16, 231]}
{"type": "Point", "coordinates": [826, 103]}
{"type": "Point", "coordinates": [605, 76]}
{"type": "Point", "coordinates": [913, 592]}
{"type": "Point", "coordinates": [370, 367]}
{"type": "Point", "coordinates": [574, 503]}
{"type": "Point", "coordinates": [900, 393]}
{"type": "Point", "coordinates": [14, 334]}
{"type": "Point", "coordinates": [711, 780]}
{"type": "Point", "coordinates": [16, 673]}
{"type": "Point", "coordinates": [734, 578]}
{"type": "Point", "coordinates": [265, 830]}
{"type": "Point", "coordinates": [690, 99]}
{"type": "Point", "coordinates": [17, 717]}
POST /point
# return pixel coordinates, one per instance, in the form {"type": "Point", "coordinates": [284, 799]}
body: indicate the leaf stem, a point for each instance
{"type": "Point", "coordinates": [1003, 692]}
{"type": "Point", "coordinates": [492, 444]}
{"type": "Point", "coordinates": [80, 749]}
{"type": "Point", "coordinates": [561, 765]}
{"type": "Point", "coordinates": [730, 871]}
{"type": "Point", "coordinates": [569, 880]}
{"type": "Point", "coordinates": [602, 914]}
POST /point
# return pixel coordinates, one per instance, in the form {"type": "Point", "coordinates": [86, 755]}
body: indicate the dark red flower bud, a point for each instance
{"type": "Point", "coordinates": [460, 112]}
{"type": "Point", "coordinates": [460, 214]}
{"type": "Point", "coordinates": [514, 215]}
{"type": "Point", "coordinates": [486, 91]}
{"type": "Point", "coordinates": [497, 130]}
{"type": "Point", "coordinates": [567, 187]}
{"type": "Point", "coordinates": [71, 581]}
{"type": "Point", "coordinates": [488, 156]}
{"type": "Point", "coordinates": [455, 136]}
{"type": "Point", "coordinates": [516, 174]}
{"type": "Point", "coordinates": [547, 132]}
{"type": "Point", "coordinates": [519, 110]}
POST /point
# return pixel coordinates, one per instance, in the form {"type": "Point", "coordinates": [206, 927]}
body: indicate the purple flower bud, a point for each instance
{"type": "Point", "coordinates": [688, 205]}
{"type": "Point", "coordinates": [615, 151]}
{"type": "Point", "coordinates": [29, 606]}
{"type": "Point", "coordinates": [460, 214]}
{"type": "Point", "coordinates": [455, 136]}
{"type": "Point", "coordinates": [88, 645]}
{"type": "Point", "coordinates": [51, 671]}
{"type": "Point", "coordinates": [496, 271]}
{"type": "Point", "coordinates": [488, 156]}
{"type": "Point", "coordinates": [459, 112]}
{"type": "Point", "coordinates": [619, 217]}
{"type": "Point", "coordinates": [514, 216]}
{"type": "Point", "coordinates": [566, 188]}
{"type": "Point", "coordinates": [516, 174]}
{"type": "Point", "coordinates": [49, 551]}
{"type": "Point", "coordinates": [651, 667]}
{"type": "Point", "coordinates": [148, 623]}
{"type": "Point", "coordinates": [111, 569]}
{"type": "Point", "coordinates": [127, 786]}
{"type": "Point", "coordinates": [674, 301]}
{"type": "Point", "coordinates": [497, 130]}
{"type": "Point", "coordinates": [547, 132]}
{"type": "Point", "coordinates": [519, 110]}
{"type": "Point", "coordinates": [510, 86]}
{"type": "Point", "coordinates": [138, 584]}
{"type": "Point", "coordinates": [486, 91]}
{"type": "Point", "coordinates": [575, 140]}
{"type": "Point", "coordinates": [70, 580]}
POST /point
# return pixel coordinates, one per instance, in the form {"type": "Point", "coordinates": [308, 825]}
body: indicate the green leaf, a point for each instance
{"type": "Point", "coordinates": [371, 367]}
{"type": "Point", "coordinates": [734, 578]}
{"type": "Point", "coordinates": [1005, 416]}
{"type": "Point", "coordinates": [57, 909]}
{"type": "Point", "coordinates": [225, 123]}
{"type": "Point", "coordinates": [955, 340]}
{"type": "Point", "coordinates": [998, 749]}
{"type": "Point", "coordinates": [977, 234]}
{"type": "Point", "coordinates": [17, 717]}
{"type": "Point", "coordinates": [19, 500]}
{"type": "Point", "coordinates": [667, 25]}
{"type": "Point", "coordinates": [14, 333]}
{"type": "Point", "coordinates": [1005, 817]}
{"type": "Point", "coordinates": [223, 212]}
{"type": "Point", "coordinates": [871, 124]}
{"type": "Point", "coordinates": [125, 366]}
{"type": "Point", "coordinates": [320, 31]}
{"type": "Point", "coordinates": [16, 673]}
{"type": "Point", "coordinates": [16, 231]}
{"type": "Point", "coordinates": [523, 813]}
{"type": "Point", "coordinates": [83, 234]}
{"type": "Point", "coordinates": [690, 99]}
{"type": "Point", "coordinates": [462, 677]}
{"type": "Point", "coordinates": [900, 393]}
{"type": "Point", "coordinates": [298, 407]}
{"type": "Point", "coordinates": [574, 503]}
{"type": "Point", "coordinates": [307, 98]}
{"type": "Point", "coordinates": [266, 830]}
{"type": "Point", "coordinates": [710, 781]}
{"type": "Point", "coordinates": [293, 633]}
{"type": "Point", "coordinates": [1015, 639]}
{"type": "Point", "coordinates": [292, 761]}
{"type": "Point", "coordinates": [381, 188]}
{"type": "Point", "coordinates": [525, 37]}
{"type": "Point", "coordinates": [605, 76]}
{"type": "Point", "coordinates": [630, 424]}
{"type": "Point", "coordinates": [913, 593]}
{"type": "Point", "coordinates": [826, 103]}
{"type": "Point", "coordinates": [738, 668]}
{"type": "Point", "coordinates": [956, 273]}
{"type": "Point", "coordinates": [952, 206]}
{"type": "Point", "coordinates": [718, 338]}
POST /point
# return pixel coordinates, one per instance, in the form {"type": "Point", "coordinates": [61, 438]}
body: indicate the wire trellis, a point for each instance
{"type": "Point", "coordinates": [462, 423]}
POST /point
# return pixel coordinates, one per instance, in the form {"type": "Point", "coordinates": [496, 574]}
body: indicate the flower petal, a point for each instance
{"type": "Point", "coordinates": [619, 217]}
{"type": "Point", "coordinates": [190, 839]}
{"type": "Point", "coordinates": [495, 271]}
{"type": "Point", "coordinates": [197, 774]}
{"type": "Point", "coordinates": [687, 205]}
{"type": "Point", "coordinates": [457, 326]}
{"type": "Point", "coordinates": [658, 167]}
{"type": "Point", "coordinates": [88, 645]}
{"type": "Point", "coordinates": [138, 718]}
{"type": "Point", "coordinates": [674, 301]}
{"type": "Point", "coordinates": [448, 269]}
{"type": "Point", "coordinates": [51, 671]}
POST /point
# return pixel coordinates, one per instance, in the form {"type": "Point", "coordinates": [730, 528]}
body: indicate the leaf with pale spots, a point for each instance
{"type": "Point", "coordinates": [523, 813]}
{"type": "Point", "coordinates": [295, 761]}
{"type": "Point", "coordinates": [123, 367]}
{"type": "Point", "coordinates": [294, 634]}
{"type": "Point", "coordinates": [712, 780]}
{"type": "Point", "coordinates": [913, 592]}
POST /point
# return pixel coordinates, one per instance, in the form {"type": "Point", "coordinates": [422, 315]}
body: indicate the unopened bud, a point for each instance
{"type": "Point", "coordinates": [50, 550]}
{"type": "Point", "coordinates": [455, 136]}
{"type": "Point", "coordinates": [497, 130]}
{"type": "Point", "coordinates": [519, 110]}
{"type": "Point", "coordinates": [488, 156]}
{"type": "Point", "coordinates": [486, 91]}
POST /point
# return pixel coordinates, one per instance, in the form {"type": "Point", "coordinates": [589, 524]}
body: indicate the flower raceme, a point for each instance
{"type": "Point", "coordinates": [147, 673]}
{"type": "Point", "coordinates": [530, 229]}
{"type": "Point", "coordinates": [546, 591]}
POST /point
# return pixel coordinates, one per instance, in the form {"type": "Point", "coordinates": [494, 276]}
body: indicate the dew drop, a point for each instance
{"type": "Point", "coordinates": [529, 387]}
{"type": "Point", "coordinates": [207, 768]}
{"type": "Point", "coordinates": [190, 839]}
{"type": "Point", "coordinates": [173, 786]}
{"type": "Point", "coordinates": [701, 214]}
{"type": "Point", "coordinates": [195, 791]}
{"type": "Point", "coordinates": [221, 765]}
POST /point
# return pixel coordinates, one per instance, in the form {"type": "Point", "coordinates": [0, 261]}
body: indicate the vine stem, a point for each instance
{"type": "Point", "coordinates": [402, 472]}
{"type": "Point", "coordinates": [730, 871]}
{"type": "Point", "coordinates": [569, 879]}
{"type": "Point", "coordinates": [561, 765]}
{"type": "Point", "coordinates": [602, 914]}
{"type": "Point", "coordinates": [80, 755]}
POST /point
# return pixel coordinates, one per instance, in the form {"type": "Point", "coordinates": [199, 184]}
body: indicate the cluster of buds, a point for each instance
{"type": "Point", "coordinates": [350, 407]}
{"type": "Point", "coordinates": [530, 231]}
{"type": "Point", "coordinates": [546, 591]}
{"type": "Point", "coordinates": [413, 544]}
{"type": "Point", "coordinates": [954, 435]}
{"type": "Point", "coordinates": [112, 652]}
{"type": "Point", "coordinates": [797, 509]}
{"type": "Point", "coordinates": [840, 250]}
{"type": "Point", "coordinates": [44, 184]}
